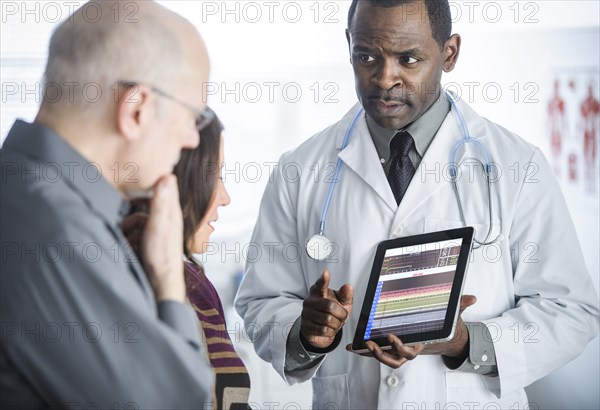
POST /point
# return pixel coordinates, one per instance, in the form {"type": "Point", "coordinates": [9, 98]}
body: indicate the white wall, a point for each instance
{"type": "Point", "coordinates": [531, 43]}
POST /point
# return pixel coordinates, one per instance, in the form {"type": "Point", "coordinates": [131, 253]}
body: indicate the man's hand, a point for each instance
{"type": "Point", "coordinates": [133, 225]}
{"type": "Point", "coordinates": [161, 243]}
{"type": "Point", "coordinates": [325, 311]}
{"type": "Point", "coordinates": [400, 353]}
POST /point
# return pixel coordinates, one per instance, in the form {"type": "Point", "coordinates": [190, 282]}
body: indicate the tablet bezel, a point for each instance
{"type": "Point", "coordinates": [447, 332]}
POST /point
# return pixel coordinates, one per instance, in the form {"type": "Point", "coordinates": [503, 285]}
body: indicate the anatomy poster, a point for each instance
{"type": "Point", "coordinates": [573, 127]}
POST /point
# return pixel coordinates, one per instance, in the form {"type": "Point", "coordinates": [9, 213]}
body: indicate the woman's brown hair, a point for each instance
{"type": "Point", "coordinates": [197, 172]}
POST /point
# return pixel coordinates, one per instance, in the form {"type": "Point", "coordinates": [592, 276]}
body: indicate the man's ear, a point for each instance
{"type": "Point", "coordinates": [135, 107]}
{"type": "Point", "coordinates": [451, 51]}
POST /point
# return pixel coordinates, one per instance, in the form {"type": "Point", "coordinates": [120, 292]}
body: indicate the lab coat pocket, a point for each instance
{"type": "Point", "coordinates": [460, 386]}
{"type": "Point", "coordinates": [331, 391]}
{"type": "Point", "coordinates": [468, 391]}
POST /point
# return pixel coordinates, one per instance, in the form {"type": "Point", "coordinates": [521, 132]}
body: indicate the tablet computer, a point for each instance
{"type": "Point", "coordinates": [414, 289]}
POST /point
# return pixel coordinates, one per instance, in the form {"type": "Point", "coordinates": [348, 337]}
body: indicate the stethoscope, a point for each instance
{"type": "Point", "coordinates": [319, 247]}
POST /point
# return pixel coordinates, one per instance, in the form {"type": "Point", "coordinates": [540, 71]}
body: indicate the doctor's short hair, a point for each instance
{"type": "Point", "coordinates": [438, 12]}
{"type": "Point", "coordinates": [197, 172]}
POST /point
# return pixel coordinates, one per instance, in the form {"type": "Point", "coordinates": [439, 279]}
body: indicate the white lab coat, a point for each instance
{"type": "Point", "coordinates": [533, 290]}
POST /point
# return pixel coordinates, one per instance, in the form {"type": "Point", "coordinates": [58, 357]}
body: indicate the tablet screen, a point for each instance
{"type": "Point", "coordinates": [413, 289]}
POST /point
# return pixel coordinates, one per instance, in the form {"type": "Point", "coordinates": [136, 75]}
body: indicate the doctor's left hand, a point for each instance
{"type": "Point", "coordinates": [400, 353]}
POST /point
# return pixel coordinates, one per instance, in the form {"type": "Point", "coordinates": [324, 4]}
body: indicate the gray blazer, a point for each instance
{"type": "Point", "coordinates": [79, 323]}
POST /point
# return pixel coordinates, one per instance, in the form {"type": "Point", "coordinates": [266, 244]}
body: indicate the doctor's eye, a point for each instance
{"type": "Point", "coordinates": [365, 58]}
{"type": "Point", "coordinates": [408, 60]}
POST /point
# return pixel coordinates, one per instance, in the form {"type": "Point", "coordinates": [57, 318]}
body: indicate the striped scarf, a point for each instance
{"type": "Point", "coordinates": [232, 386]}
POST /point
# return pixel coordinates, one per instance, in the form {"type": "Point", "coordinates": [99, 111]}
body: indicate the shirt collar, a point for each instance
{"type": "Point", "coordinates": [61, 161]}
{"type": "Point", "coordinates": [423, 129]}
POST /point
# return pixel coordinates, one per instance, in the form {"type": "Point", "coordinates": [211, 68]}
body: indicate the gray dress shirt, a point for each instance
{"type": "Point", "coordinates": [80, 324]}
{"type": "Point", "coordinates": [482, 358]}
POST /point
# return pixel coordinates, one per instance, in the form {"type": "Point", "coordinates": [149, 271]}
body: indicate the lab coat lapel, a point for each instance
{"type": "Point", "coordinates": [361, 157]}
{"type": "Point", "coordinates": [432, 173]}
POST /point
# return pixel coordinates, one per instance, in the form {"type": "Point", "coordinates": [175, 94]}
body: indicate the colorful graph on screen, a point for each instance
{"type": "Point", "coordinates": [414, 289]}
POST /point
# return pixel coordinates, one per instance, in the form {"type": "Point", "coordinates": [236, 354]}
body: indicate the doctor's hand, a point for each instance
{"type": "Point", "coordinates": [325, 311]}
{"type": "Point", "coordinates": [457, 347]}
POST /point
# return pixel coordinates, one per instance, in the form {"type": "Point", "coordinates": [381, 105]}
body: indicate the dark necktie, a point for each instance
{"type": "Point", "coordinates": [401, 168]}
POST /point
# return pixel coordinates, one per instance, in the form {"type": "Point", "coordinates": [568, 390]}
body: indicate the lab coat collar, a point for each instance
{"type": "Point", "coordinates": [344, 123]}
{"type": "Point", "coordinates": [361, 156]}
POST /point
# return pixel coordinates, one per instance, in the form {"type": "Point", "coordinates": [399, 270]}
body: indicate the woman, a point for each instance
{"type": "Point", "coordinates": [201, 193]}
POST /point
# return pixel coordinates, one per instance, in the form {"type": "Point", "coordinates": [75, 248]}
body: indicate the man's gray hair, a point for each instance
{"type": "Point", "coordinates": [86, 56]}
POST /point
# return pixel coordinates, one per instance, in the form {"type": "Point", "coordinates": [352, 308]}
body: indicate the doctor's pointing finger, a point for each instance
{"type": "Point", "coordinates": [324, 312]}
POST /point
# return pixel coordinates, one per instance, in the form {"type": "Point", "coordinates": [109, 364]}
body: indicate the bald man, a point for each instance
{"type": "Point", "coordinates": [85, 322]}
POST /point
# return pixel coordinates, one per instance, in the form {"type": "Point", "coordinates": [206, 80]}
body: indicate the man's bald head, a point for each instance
{"type": "Point", "coordinates": [96, 47]}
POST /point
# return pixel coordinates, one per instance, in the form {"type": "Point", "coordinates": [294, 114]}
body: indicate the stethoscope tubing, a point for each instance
{"type": "Point", "coordinates": [338, 169]}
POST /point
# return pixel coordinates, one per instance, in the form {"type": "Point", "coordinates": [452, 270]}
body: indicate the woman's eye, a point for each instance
{"type": "Point", "coordinates": [366, 58]}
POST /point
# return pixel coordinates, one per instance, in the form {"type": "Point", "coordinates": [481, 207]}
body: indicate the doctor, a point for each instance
{"type": "Point", "coordinates": [533, 307]}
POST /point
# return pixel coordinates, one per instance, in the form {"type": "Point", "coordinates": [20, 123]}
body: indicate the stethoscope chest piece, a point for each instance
{"type": "Point", "coordinates": [318, 247]}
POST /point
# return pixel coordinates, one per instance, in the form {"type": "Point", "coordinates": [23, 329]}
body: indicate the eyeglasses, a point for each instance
{"type": "Point", "coordinates": [203, 118]}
